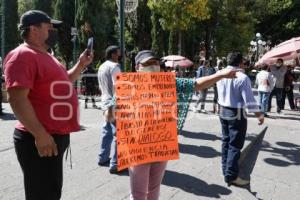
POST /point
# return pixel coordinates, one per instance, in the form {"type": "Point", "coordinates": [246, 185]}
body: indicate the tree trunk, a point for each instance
{"type": "Point", "coordinates": [179, 42]}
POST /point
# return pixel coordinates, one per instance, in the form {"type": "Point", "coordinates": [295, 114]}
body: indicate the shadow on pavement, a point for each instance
{"type": "Point", "coordinates": [200, 135]}
{"type": "Point", "coordinates": [287, 150]}
{"type": "Point", "coordinates": [193, 185]}
{"type": "Point", "coordinates": [210, 136]}
{"type": "Point", "coordinates": [200, 151]}
{"type": "Point", "coordinates": [7, 116]}
{"type": "Point", "coordinates": [249, 157]}
{"type": "Point", "coordinates": [276, 116]}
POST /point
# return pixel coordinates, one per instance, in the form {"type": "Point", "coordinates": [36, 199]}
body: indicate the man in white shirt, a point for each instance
{"type": "Point", "coordinates": [107, 78]}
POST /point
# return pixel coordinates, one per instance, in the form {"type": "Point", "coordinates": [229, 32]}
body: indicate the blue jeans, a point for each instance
{"type": "Point", "coordinates": [263, 98]}
{"type": "Point", "coordinates": [234, 128]}
{"type": "Point", "coordinates": [108, 140]}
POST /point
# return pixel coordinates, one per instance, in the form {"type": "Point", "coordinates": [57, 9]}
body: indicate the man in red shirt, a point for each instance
{"type": "Point", "coordinates": [41, 95]}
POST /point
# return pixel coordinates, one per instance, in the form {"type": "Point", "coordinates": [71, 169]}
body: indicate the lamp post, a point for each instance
{"type": "Point", "coordinates": [122, 33]}
{"type": "Point", "coordinates": [124, 6]}
{"type": "Point", "coordinates": [257, 45]}
{"type": "Point", "coordinates": [74, 33]}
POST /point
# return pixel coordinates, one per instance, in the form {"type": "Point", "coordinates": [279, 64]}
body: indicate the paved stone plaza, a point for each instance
{"type": "Point", "coordinates": [273, 162]}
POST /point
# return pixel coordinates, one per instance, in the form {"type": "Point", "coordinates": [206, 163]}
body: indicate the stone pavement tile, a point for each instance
{"type": "Point", "coordinates": [11, 178]}
{"type": "Point", "coordinates": [184, 196]}
{"type": "Point", "coordinates": [189, 181]}
{"type": "Point", "coordinates": [283, 191]}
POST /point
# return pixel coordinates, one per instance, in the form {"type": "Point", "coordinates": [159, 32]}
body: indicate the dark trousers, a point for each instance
{"type": "Point", "coordinates": [290, 95]}
{"type": "Point", "coordinates": [234, 128]}
{"type": "Point", "coordinates": [0, 97]}
{"type": "Point", "coordinates": [43, 176]}
{"type": "Point", "coordinates": [278, 92]}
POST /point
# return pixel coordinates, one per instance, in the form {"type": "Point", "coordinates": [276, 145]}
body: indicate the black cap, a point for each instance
{"type": "Point", "coordinates": [144, 56]}
{"type": "Point", "coordinates": [33, 17]}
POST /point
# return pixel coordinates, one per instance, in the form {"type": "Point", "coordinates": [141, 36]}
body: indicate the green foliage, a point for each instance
{"type": "Point", "coordinates": [96, 18]}
{"type": "Point", "coordinates": [166, 26]}
{"type": "Point", "coordinates": [24, 5]}
{"type": "Point", "coordinates": [280, 21]}
{"type": "Point", "coordinates": [64, 44]}
{"type": "Point", "coordinates": [179, 14]}
{"type": "Point", "coordinates": [139, 25]}
{"type": "Point", "coordinates": [44, 5]}
{"type": "Point", "coordinates": [9, 21]}
{"type": "Point", "coordinates": [235, 27]}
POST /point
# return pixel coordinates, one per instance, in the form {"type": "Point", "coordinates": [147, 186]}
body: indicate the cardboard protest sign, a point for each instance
{"type": "Point", "coordinates": [146, 116]}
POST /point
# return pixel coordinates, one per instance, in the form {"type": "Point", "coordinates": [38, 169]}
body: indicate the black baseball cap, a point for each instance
{"type": "Point", "coordinates": [33, 17]}
{"type": "Point", "coordinates": [144, 56]}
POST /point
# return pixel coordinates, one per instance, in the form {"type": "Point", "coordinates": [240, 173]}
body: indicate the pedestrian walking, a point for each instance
{"type": "Point", "coordinates": [145, 179]}
{"type": "Point", "coordinates": [234, 96]}
{"type": "Point", "coordinates": [89, 82]}
{"type": "Point", "coordinates": [203, 71]}
{"type": "Point", "coordinates": [289, 87]}
{"type": "Point", "coordinates": [45, 103]}
{"type": "Point", "coordinates": [265, 84]}
{"type": "Point", "coordinates": [107, 77]}
{"type": "Point", "coordinates": [278, 71]}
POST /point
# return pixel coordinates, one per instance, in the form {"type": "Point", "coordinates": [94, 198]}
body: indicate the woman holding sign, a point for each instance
{"type": "Point", "coordinates": [145, 174]}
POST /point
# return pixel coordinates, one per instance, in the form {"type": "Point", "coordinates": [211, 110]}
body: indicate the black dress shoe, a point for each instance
{"type": "Point", "coordinates": [103, 163]}
{"type": "Point", "coordinates": [113, 170]}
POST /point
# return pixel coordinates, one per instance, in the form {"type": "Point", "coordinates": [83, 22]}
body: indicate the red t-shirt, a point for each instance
{"type": "Point", "coordinates": [52, 95]}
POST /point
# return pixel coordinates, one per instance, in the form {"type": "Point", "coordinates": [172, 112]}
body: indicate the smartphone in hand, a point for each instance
{"type": "Point", "coordinates": [90, 45]}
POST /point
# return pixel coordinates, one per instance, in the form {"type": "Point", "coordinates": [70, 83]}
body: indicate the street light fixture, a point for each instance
{"type": "Point", "coordinates": [257, 43]}
{"type": "Point", "coordinates": [124, 7]}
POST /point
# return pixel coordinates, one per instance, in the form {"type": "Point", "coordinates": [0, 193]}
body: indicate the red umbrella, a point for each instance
{"type": "Point", "coordinates": [287, 50]}
{"type": "Point", "coordinates": [176, 60]}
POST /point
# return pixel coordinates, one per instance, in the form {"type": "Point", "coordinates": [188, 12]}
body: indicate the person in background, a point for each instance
{"type": "Point", "coordinates": [89, 81]}
{"type": "Point", "coordinates": [203, 71]}
{"type": "Point", "coordinates": [289, 87]}
{"type": "Point", "coordinates": [234, 96]}
{"type": "Point", "coordinates": [145, 179]}
{"type": "Point", "coordinates": [107, 78]}
{"type": "Point", "coordinates": [1, 84]}
{"type": "Point", "coordinates": [278, 71]}
{"type": "Point", "coordinates": [41, 95]}
{"type": "Point", "coordinates": [265, 84]}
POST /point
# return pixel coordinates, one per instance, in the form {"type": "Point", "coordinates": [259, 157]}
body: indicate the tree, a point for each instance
{"type": "Point", "coordinates": [179, 15]}
{"type": "Point", "coordinates": [9, 21]}
{"type": "Point", "coordinates": [65, 11]}
{"type": "Point", "coordinates": [95, 19]}
{"type": "Point", "coordinates": [278, 20]}
{"type": "Point", "coordinates": [43, 5]}
{"type": "Point", "coordinates": [24, 5]}
{"type": "Point", "coordinates": [233, 24]}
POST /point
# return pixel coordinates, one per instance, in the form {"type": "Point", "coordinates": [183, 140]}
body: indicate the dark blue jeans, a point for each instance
{"type": "Point", "coordinates": [234, 128]}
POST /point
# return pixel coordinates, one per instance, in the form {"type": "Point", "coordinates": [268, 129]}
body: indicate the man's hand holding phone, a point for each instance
{"type": "Point", "coordinates": [87, 56]}
{"type": "Point", "coordinates": [90, 46]}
